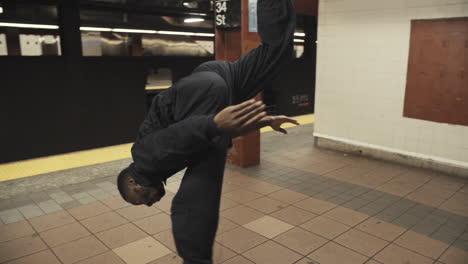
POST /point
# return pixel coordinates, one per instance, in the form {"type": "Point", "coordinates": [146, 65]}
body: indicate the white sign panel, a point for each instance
{"type": "Point", "coordinates": [3, 45]}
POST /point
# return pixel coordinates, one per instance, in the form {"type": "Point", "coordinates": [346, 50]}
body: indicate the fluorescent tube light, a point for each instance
{"type": "Point", "coordinates": [127, 30]}
{"type": "Point", "coordinates": [299, 34]}
{"type": "Point", "coordinates": [299, 40]}
{"type": "Point", "coordinates": [95, 29]}
{"type": "Point", "coordinates": [21, 25]}
{"type": "Point", "coordinates": [193, 20]}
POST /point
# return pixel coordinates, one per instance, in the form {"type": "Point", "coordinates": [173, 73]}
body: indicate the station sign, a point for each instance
{"type": "Point", "coordinates": [227, 14]}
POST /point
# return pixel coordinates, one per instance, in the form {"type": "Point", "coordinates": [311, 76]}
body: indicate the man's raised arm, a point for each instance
{"type": "Point", "coordinates": [276, 26]}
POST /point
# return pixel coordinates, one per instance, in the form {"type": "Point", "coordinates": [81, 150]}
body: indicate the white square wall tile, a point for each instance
{"type": "Point", "coordinates": [268, 226]}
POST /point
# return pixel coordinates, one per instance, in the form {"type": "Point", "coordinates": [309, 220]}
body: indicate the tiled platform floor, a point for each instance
{"type": "Point", "coordinates": [302, 205]}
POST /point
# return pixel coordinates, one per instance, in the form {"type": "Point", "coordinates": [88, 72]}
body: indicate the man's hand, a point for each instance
{"type": "Point", "coordinates": [276, 121]}
{"type": "Point", "coordinates": [236, 119]}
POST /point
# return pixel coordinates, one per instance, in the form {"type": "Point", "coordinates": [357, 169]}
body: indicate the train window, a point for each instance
{"type": "Point", "coordinates": [159, 79]}
{"type": "Point", "coordinates": [29, 30]}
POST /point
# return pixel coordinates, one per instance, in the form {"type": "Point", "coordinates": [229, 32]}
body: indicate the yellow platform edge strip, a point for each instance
{"type": "Point", "coordinates": [32, 167]}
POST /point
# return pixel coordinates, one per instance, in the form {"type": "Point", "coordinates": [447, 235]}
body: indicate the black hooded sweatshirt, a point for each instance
{"type": "Point", "coordinates": [179, 126]}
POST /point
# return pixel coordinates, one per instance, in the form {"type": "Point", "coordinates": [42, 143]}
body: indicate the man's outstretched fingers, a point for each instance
{"type": "Point", "coordinates": [247, 109]}
{"type": "Point", "coordinates": [248, 115]}
{"type": "Point", "coordinates": [243, 105]}
{"type": "Point", "coordinates": [255, 119]}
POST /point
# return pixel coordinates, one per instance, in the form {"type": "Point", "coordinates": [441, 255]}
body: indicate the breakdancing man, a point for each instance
{"type": "Point", "coordinates": [191, 125]}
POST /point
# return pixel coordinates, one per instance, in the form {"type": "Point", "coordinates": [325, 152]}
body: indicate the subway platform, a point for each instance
{"type": "Point", "coordinates": [302, 205]}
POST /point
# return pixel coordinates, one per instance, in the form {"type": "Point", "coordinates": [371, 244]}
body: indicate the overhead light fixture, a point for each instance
{"type": "Point", "coordinates": [1, 10]}
{"type": "Point", "coordinates": [103, 29]}
{"type": "Point", "coordinates": [21, 25]}
{"type": "Point", "coordinates": [193, 20]}
{"type": "Point", "coordinates": [127, 30]}
{"type": "Point", "coordinates": [299, 34]}
{"type": "Point", "coordinates": [299, 41]}
{"type": "Point", "coordinates": [181, 33]}
{"type": "Point", "coordinates": [95, 29]}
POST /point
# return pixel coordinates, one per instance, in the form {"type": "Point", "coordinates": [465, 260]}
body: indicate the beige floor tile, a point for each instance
{"type": "Point", "coordinates": [64, 234]}
{"type": "Point", "coordinates": [225, 225]}
{"type": "Point", "coordinates": [242, 195]}
{"type": "Point", "coordinates": [89, 210]}
{"type": "Point", "coordinates": [142, 251]}
{"type": "Point", "coordinates": [227, 203]}
{"type": "Point", "coordinates": [421, 244]}
{"type": "Point", "coordinates": [229, 188]}
{"type": "Point", "coordinates": [241, 214]}
{"type": "Point", "coordinates": [45, 222]}
{"type": "Point", "coordinates": [394, 254]}
{"type": "Point", "coordinates": [155, 224]}
{"type": "Point", "coordinates": [115, 202]}
{"type": "Point", "coordinates": [238, 260]}
{"type": "Point", "coordinates": [293, 215]}
{"type": "Point", "coordinates": [305, 261]}
{"type": "Point", "coordinates": [266, 205]}
{"type": "Point", "coordinates": [222, 253]}
{"type": "Point", "coordinates": [271, 253]}
{"type": "Point", "coordinates": [314, 205]}
{"type": "Point", "coordinates": [373, 262]}
{"type": "Point", "coordinates": [15, 230]}
{"type": "Point", "coordinates": [287, 196]}
{"type": "Point", "coordinates": [21, 247]}
{"type": "Point", "coordinates": [133, 212]}
{"type": "Point", "coordinates": [268, 226]}
{"type": "Point", "coordinates": [240, 239]}
{"type": "Point", "coordinates": [300, 240]}
{"type": "Point", "coordinates": [346, 216]}
{"type": "Point", "coordinates": [121, 235]}
{"type": "Point", "coordinates": [173, 187]}
{"type": "Point", "coordinates": [240, 180]}
{"type": "Point", "coordinates": [167, 239]}
{"type": "Point", "coordinates": [263, 188]}
{"type": "Point", "coordinates": [79, 249]}
{"type": "Point", "coordinates": [454, 255]}
{"type": "Point", "coordinates": [325, 227]}
{"type": "Point", "coordinates": [381, 229]}
{"type": "Point", "coordinates": [43, 257]}
{"type": "Point", "coordinates": [165, 203]}
{"type": "Point", "coordinates": [333, 253]}
{"type": "Point", "coordinates": [108, 257]}
{"type": "Point", "coordinates": [361, 242]}
{"type": "Point", "coordinates": [168, 259]}
{"type": "Point", "coordinates": [103, 222]}
{"type": "Point", "coordinates": [464, 189]}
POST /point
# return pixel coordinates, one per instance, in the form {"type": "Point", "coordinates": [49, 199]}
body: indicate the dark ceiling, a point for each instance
{"type": "Point", "coordinates": [144, 14]}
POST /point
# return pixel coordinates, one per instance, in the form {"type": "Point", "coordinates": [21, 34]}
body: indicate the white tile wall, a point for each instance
{"type": "Point", "coordinates": [363, 48]}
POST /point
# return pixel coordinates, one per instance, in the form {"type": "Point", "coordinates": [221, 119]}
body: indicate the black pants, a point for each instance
{"type": "Point", "coordinates": [195, 208]}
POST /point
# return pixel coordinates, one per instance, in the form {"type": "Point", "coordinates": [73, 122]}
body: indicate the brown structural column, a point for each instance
{"type": "Point", "coordinates": [230, 45]}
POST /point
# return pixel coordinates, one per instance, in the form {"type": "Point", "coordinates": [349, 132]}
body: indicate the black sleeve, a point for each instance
{"type": "Point", "coordinates": [248, 75]}
{"type": "Point", "coordinates": [276, 26]}
{"type": "Point", "coordinates": [170, 148]}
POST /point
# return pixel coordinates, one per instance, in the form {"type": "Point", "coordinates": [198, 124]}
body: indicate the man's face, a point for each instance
{"type": "Point", "coordinates": [147, 195]}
